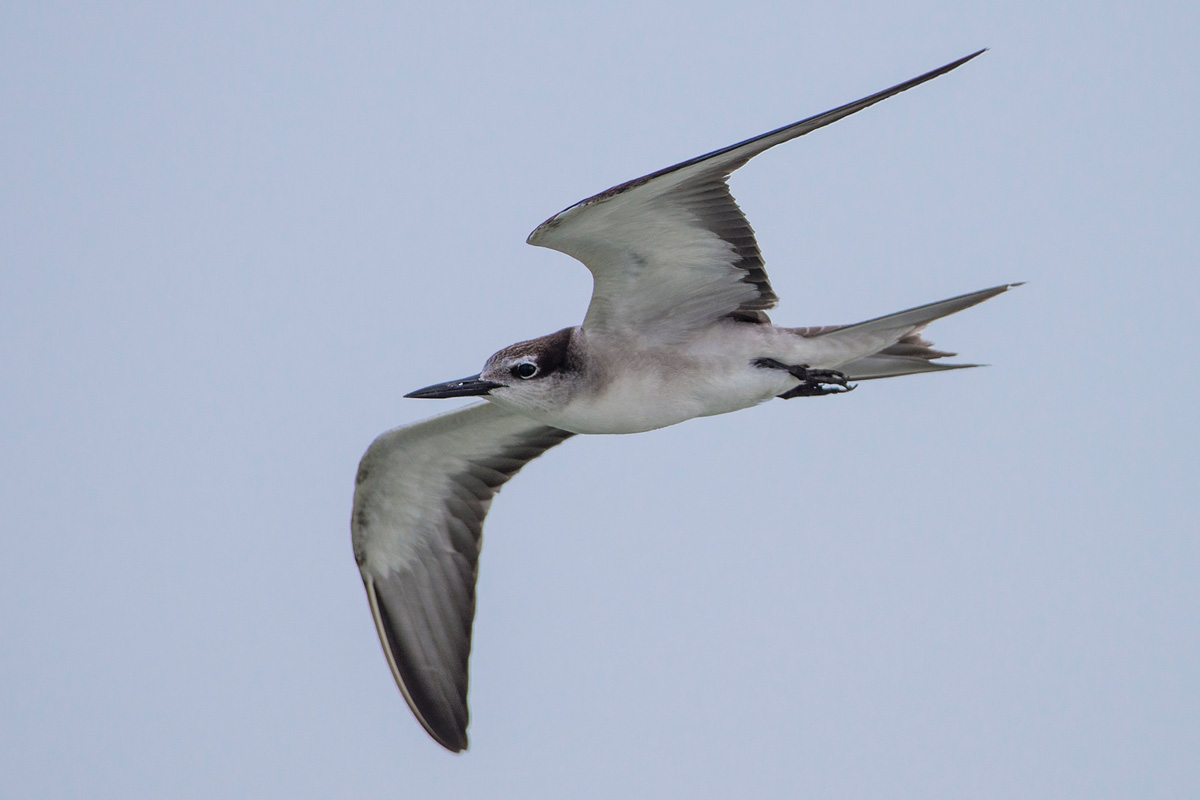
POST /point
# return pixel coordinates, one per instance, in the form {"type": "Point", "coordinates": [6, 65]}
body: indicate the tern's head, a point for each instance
{"type": "Point", "coordinates": [527, 377]}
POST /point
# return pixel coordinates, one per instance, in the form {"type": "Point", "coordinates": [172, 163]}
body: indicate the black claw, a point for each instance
{"type": "Point", "coordinates": [827, 376]}
{"type": "Point", "coordinates": [815, 390]}
{"type": "Point", "coordinates": [813, 382]}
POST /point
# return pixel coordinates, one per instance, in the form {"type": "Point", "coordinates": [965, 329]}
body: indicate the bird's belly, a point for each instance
{"type": "Point", "coordinates": [645, 402]}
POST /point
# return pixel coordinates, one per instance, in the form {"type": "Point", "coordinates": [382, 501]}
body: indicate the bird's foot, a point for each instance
{"type": "Point", "coordinates": [813, 382]}
{"type": "Point", "coordinates": [816, 386]}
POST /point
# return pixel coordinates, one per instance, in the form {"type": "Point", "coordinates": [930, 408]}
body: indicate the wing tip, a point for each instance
{"type": "Point", "coordinates": [455, 739]}
{"type": "Point", "coordinates": [538, 237]}
{"type": "Point", "coordinates": [959, 62]}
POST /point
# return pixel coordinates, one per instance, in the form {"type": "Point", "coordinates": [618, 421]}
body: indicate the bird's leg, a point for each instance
{"type": "Point", "coordinates": [813, 382]}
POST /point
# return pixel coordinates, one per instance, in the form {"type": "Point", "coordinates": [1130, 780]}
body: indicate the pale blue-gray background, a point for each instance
{"type": "Point", "coordinates": [231, 238]}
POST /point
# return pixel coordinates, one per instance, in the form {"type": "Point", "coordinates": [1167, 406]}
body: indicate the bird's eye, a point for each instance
{"type": "Point", "coordinates": [525, 370]}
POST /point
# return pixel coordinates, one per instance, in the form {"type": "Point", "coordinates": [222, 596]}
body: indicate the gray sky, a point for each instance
{"type": "Point", "coordinates": [231, 240]}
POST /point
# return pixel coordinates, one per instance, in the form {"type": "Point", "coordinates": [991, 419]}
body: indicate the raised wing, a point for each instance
{"type": "Point", "coordinates": [421, 495]}
{"type": "Point", "coordinates": [672, 251]}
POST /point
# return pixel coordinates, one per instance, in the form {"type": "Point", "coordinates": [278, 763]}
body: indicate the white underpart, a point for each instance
{"type": "Point", "coordinates": [643, 386]}
{"type": "Point", "coordinates": [631, 383]}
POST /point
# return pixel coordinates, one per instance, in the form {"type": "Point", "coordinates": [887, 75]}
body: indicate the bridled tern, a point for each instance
{"type": "Point", "coordinates": [677, 328]}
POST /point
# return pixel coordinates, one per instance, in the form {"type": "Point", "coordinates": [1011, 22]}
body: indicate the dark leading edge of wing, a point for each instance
{"type": "Point", "coordinates": [607, 231]}
{"type": "Point", "coordinates": [769, 139]}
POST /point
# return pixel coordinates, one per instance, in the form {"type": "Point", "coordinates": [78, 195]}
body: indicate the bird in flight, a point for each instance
{"type": "Point", "coordinates": [677, 328]}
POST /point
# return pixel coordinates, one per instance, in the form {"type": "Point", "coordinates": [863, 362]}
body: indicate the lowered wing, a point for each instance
{"type": "Point", "coordinates": [421, 495]}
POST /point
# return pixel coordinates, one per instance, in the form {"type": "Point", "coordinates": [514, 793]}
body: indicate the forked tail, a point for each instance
{"type": "Point", "coordinates": [886, 347]}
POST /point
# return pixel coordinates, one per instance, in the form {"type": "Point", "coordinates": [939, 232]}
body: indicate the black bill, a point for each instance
{"type": "Point", "coordinates": [466, 387]}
